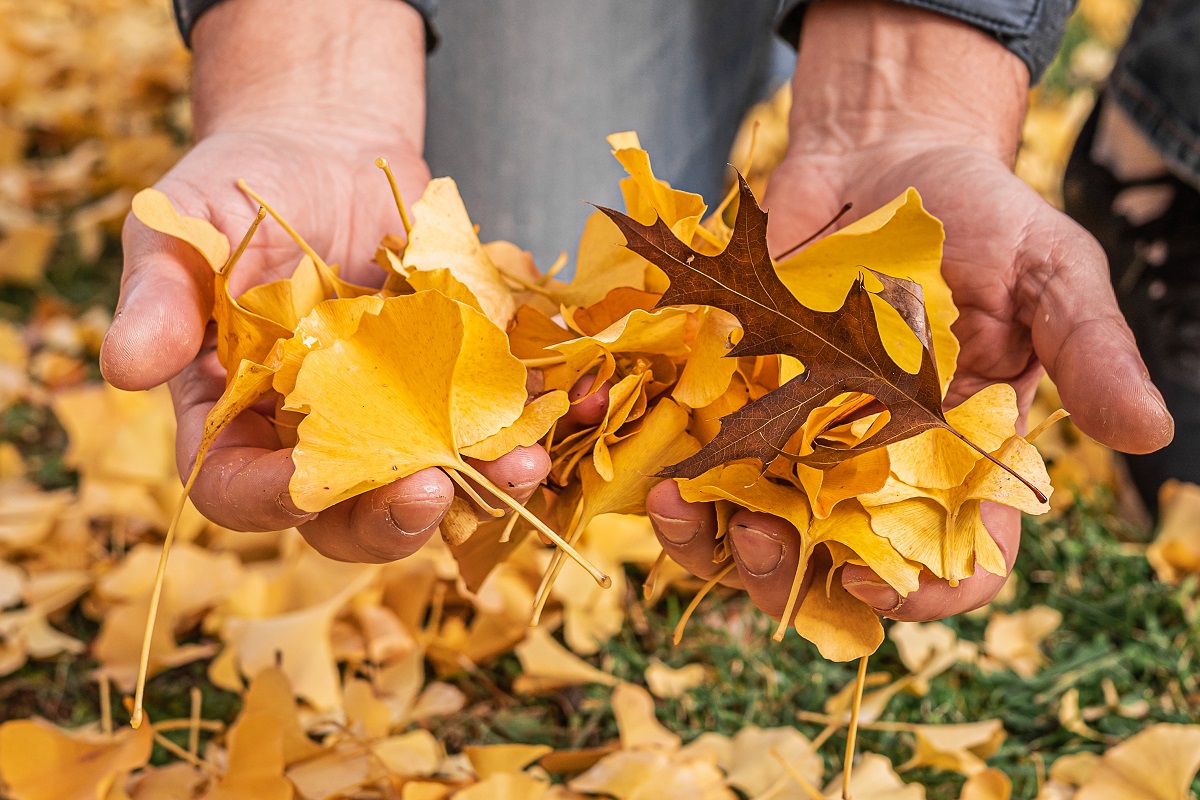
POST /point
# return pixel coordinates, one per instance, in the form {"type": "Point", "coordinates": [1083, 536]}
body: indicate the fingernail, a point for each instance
{"type": "Point", "coordinates": [415, 516]}
{"type": "Point", "coordinates": [879, 596]}
{"type": "Point", "coordinates": [284, 501]}
{"type": "Point", "coordinates": [1153, 391]}
{"type": "Point", "coordinates": [676, 531]}
{"type": "Point", "coordinates": [757, 552]}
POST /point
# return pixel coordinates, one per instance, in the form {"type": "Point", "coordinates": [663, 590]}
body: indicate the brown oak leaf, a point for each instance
{"type": "Point", "coordinates": [841, 350]}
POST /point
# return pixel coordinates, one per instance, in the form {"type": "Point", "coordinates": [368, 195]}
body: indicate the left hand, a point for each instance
{"type": "Point", "coordinates": [937, 105]}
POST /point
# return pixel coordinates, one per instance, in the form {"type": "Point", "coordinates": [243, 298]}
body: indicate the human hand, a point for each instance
{"type": "Point", "coordinates": [937, 105]}
{"type": "Point", "coordinates": [304, 128]}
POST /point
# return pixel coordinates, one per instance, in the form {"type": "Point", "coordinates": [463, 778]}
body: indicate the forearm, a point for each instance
{"type": "Point", "coordinates": [873, 73]}
{"type": "Point", "coordinates": [343, 64]}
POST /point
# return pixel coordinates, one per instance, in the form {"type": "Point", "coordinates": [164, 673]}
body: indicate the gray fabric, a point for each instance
{"type": "Point", "coordinates": [1031, 29]}
{"type": "Point", "coordinates": [521, 94]}
{"type": "Point", "coordinates": [1157, 82]}
{"type": "Point", "coordinates": [188, 11]}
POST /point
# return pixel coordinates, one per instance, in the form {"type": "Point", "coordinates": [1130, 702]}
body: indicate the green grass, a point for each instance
{"type": "Point", "coordinates": [1119, 623]}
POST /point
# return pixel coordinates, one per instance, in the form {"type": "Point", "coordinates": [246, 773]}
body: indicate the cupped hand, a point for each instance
{"type": "Point", "coordinates": [328, 188]}
{"type": "Point", "coordinates": [1031, 286]}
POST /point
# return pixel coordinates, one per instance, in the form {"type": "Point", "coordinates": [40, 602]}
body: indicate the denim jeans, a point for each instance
{"type": "Point", "coordinates": [1157, 82]}
{"type": "Point", "coordinates": [521, 94]}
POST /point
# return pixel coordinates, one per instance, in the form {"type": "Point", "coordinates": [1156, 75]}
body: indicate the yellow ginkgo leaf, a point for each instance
{"type": "Point", "coordinates": [373, 417]}
{"type": "Point", "coordinates": [637, 724]}
{"type": "Point", "coordinates": [855, 476]}
{"type": "Point", "coordinates": [443, 238]}
{"type": "Point", "coordinates": [1157, 764]}
{"type": "Point", "coordinates": [1175, 551]}
{"type": "Point", "coordinates": [942, 528]}
{"type": "Point", "coordinates": [666, 681]}
{"type": "Point", "coordinates": [546, 665]}
{"type": "Point", "coordinates": [707, 372]}
{"type": "Point", "coordinates": [991, 784]}
{"type": "Point", "coordinates": [900, 239]}
{"type": "Point", "coordinates": [256, 764]}
{"type": "Point", "coordinates": [937, 459]}
{"type": "Point", "coordinates": [442, 280]}
{"type": "Point", "coordinates": [960, 748]}
{"type": "Point", "coordinates": [39, 761]}
{"type": "Point", "coordinates": [661, 332]}
{"type": "Point", "coordinates": [874, 777]}
{"type": "Point", "coordinates": [154, 210]}
{"type": "Point", "coordinates": [535, 420]}
{"type": "Point", "coordinates": [1014, 640]}
{"type": "Point", "coordinates": [602, 264]}
{"type": "Point", "coordinates": [842, 627]}
{"type": "Point", "coordinates": [507, 786]}
{"type": "Point", "coordinates": [327, 323]}
{"type": "Point", "coordinates": [495, 759]}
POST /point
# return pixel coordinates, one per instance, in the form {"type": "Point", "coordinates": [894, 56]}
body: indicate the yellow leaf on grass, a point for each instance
{"type": "Point", "coordinates": [256, 764]}
{"type": "Point", "coordinates": [270, 694]}
{"type": "Point", "coordinates": [874, 778]}
{"type": "Point", "coordinates": [465, 387]}
{"type": "Point", "coordinates": [443, 237]}
{"type": "Point", "coordinates": [1157, 764]}
{"type": "Point", "coordinates": [754, 760]}
{"type": "Point", "coordinates": [155, 210]}
{"type": "Point", "coordinates": [39, 761]}
{"type": "Point", "coordinates": [959, 748]}
{"type": "Point", "coordinates": [991, 784]}
{"type": "Point", "coordinates": [24, 251]}
{"type": "Point", "coordinates": [547, 665]}
{"type": "Point", "coordinates": [666, 681]}
{"type": "Point", "coordinates": [653, 775]}
{"type": "Point", "coordinates": [637, 724]}
{"type": "Point", "coordinates": [1175, 552]}
{"type": "Point", "coordinates": [900, 239]}
{"type": "Point", "coordinates": [506, 786]}
{"type": "Point", "coordinates": [1014, 639]}
{"type": "Point", "coordinates": [535, 420]}
{"type": "Point", "coordinates": [496, 759]}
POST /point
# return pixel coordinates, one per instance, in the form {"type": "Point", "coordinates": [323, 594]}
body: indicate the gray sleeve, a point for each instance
{"type": "Point", "coordinates": [1031, 29]}
{"type": "Point", "coordinates": [188, 11]}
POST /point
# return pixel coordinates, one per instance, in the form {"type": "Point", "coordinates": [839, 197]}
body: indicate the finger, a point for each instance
{"type": "Point", "coordinates": [686, 531]}
{"type": "Point", "coordinates": [385, 524]}
{"type": "Point", "coordinates": [767, 552]}
{"type": "Point", "coordinates": [587, 407]}
{"type": "Point", "coordinates": [517, 473]}
{"type": "Point", "coordinates": [165, 302]}
{"type": "Point", "coordinates": [1081, 337]}
{"type": "Point", "coordinates": [935, 598]}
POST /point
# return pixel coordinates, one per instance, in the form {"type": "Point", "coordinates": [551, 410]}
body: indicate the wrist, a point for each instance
{"type": "Point", "coordinates": [320, 66]}
{"type": "Point", "coordinates": [873, 74]}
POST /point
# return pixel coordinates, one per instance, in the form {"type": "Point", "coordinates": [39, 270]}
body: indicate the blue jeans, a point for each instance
{"type": "Point", "coordinates": [521, 94]}
{"type": "Point", "coordinates": [1157, 82]}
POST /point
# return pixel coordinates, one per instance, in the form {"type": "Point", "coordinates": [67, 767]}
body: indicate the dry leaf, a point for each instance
{"type": "Point", "coordinates": [1175, 551]}
{"type": "Point", "coordinates": [638, 726]}
{"type": "Point", "coordinates": [1157, 764]}
{"type": "Point", "coordinates": [39, 761]}
{"type": "Point", "coordinates": [1014, 639]}
{"type": "Point", "coordinates": [665, 681]}
{"type": "Point", "coordinates": [547, 665]}
{"type": "Point", "coordinates": [991, 784]}
{"type": "Point", "coordinates": [874, 778]}
{"type": "Point", "coordinates": [960, 748]}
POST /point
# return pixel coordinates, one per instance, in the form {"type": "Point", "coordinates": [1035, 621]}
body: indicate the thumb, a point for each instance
{"type": "Point", "coordinates": [165, 304]}
{"type": "Point", "coordinates": [1082, 339]}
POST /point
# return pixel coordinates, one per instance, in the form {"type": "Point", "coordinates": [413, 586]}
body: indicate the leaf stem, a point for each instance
{"type": "Point", "coordinates": [813, 792]}
{"type": "Point", "coordinates": [789, 611]}
{"type": "Point", "coordinates": [651, 582]}
{"type": "Point", "coordinates": [139, 694]}
{"type": "Point", "coordinates": [824, 228]}
{"type": "Point", "coordinates": [691, 609]}
{"type": "Point", "coordinates": [533, 520]}
{"type": "Point", "coordinates": [383, 164]}
{"type": "Point", "coordinates": [227, 267]}
{"type": "Point", "coordinates": [860, 685]}
{"type": "Point", "coordinates": [474, 495]}
{"type": "Point", "coordinates": [555, 567]}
